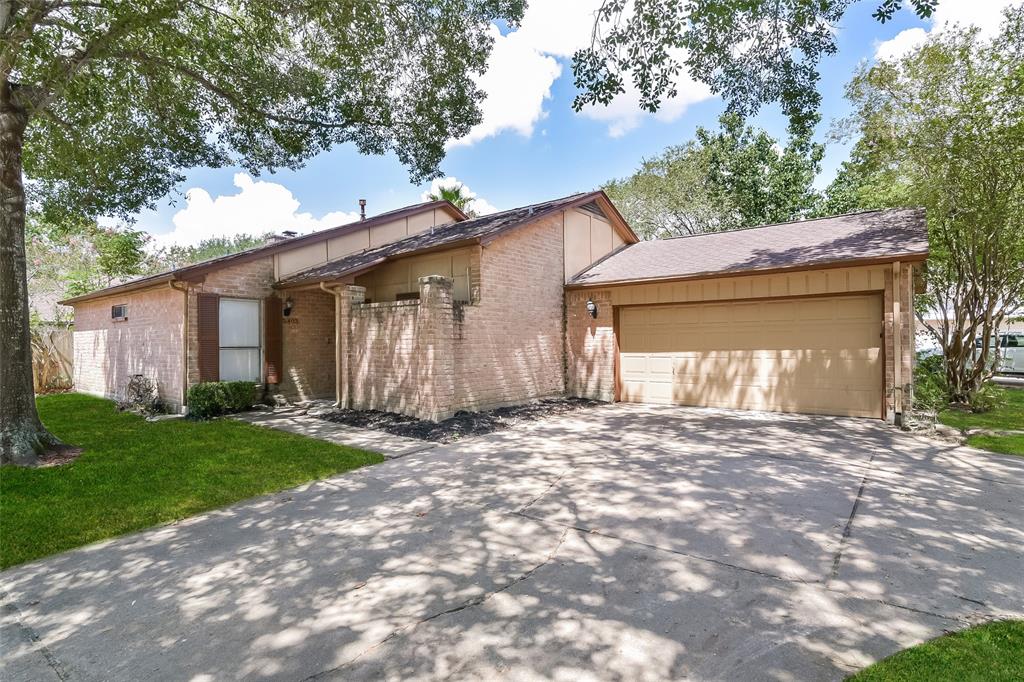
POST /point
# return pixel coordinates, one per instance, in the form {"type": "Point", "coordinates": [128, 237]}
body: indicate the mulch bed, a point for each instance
{"type": "Point", "coordinates": [462, 425]}
{"type": "Point", "coordinates": [58, 455]}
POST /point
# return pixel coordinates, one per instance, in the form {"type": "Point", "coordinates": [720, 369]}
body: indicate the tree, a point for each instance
{"type": "Point", "coordinates": [79, 256]}
{"type": "Point", "coordinates": [734, 177]}
{"type": "Point", "coordinates": [178, 256]}
{"type": "Point", "coordinates": [103, 104]}
{"type": "Point", "coordinates": [456, 194]}
{"type": "Point", "coordinates": [946, 123]}
{"type": "Point", "coordinates": [751, 52]}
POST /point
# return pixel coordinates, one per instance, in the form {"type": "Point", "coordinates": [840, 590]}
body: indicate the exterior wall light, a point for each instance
{"type": "Point", "coordinates": [592, 308]}
{"type": "Point", "coordinates": [288, 305]}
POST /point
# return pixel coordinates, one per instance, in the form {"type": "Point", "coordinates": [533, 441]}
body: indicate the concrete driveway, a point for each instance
{"type": "Point", "coordinates": [623, 542]}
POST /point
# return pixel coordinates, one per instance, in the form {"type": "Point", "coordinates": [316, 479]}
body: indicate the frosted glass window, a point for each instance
{"type": "Point", "coordinates": [239, 340]}
{"type": "Point", "coordinates": [239, 323]}
{"type": "Point", "coordinates": [239, 364]}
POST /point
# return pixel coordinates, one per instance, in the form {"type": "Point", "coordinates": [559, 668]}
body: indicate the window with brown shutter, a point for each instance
{"type": "Point", "coordinates": [208, 323]}
{"type": "Point", "coordinates": [272, 333]}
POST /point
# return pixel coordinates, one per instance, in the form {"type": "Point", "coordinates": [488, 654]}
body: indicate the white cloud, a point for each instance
{"type": "Point", "coordinates": [258, 207]}
{"type": "Point", "coordinates": [624, 113]}
{"type": "Point", "coordinates": [985, 14]}
{"type": "Point", "coordinates": [517, 81]}
{"type": "Point", "coordinates": [525, 64]}
{"type": "Point", "coordinates": [476, 205]}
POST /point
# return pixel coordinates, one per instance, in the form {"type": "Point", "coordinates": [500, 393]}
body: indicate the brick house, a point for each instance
{"type": "Point", "coordinates": [426, 312]}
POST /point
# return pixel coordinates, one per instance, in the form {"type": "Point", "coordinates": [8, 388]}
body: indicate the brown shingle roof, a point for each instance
{"type": "Point", "coordinates": [481, 229]}
{"type": "Point", "coordinates": [195, 269]}
{"type": "Point", "coordinates": [870, 235]}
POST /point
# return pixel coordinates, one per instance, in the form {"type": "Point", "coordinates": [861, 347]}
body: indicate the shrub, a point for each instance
{"type": "Point", "coordinates": [214, 398]}
{"type": "Point", "coordinates": [987, 398]}
{"type": "Point", "coordinates": [931, 394]}
{"type": "Point", "coordinates": [141, 395]}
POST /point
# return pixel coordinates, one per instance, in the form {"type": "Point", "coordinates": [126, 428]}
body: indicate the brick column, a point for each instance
{"type": "Point", "coordinates": [344, 298]}
{"type": "Point", "coordinates": [435, 361]}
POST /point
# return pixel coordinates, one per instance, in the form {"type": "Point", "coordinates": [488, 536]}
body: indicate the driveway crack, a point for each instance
{"type": "Point", "coordinates": [849, 524]}
{"type": "Point", "coordinates": [468, 604]}
{"type": "Point", "coordinates": [11, 609]}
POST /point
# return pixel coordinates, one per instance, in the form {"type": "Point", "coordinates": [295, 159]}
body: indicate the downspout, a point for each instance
{"type": "Point", "coordinates": [184, 342]}
{"type": "Point", "coordinates": [339, 378]}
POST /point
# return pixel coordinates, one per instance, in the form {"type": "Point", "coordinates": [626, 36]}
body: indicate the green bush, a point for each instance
{"type": "Point", "coordinates": [214, 398]}
{"type": "Point", "coordinates": [987, 398]}
{"type": "Point", "coordinates": [931, 394]}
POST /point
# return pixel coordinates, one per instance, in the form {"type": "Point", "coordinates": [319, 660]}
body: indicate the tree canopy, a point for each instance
{"type": "Point", "coordinates": [456, 194]}
{"type": "Point", "coordinates": [751, 52]}
{"type": "Point", "coordinates": [104, 104]}
{"type": "Point", "coordinates": [734, 177]}
{"type": "Point", "coordinates": [943, 128]}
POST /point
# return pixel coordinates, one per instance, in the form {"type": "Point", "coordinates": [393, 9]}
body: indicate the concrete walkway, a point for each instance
{"type": "Point", "coordinates": [619, 543]}
{"type": "Point", "coordinates": [295, 420]}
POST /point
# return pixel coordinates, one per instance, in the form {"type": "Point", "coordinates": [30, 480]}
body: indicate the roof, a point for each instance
{"type": "Point", "coordinates": [196, 270]}
{"type": "Point", "coordinates": [474, 230]}
{"type": "Point", "coordinates": [880, 236]}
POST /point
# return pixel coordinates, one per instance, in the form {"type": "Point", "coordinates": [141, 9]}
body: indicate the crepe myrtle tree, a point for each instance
{"type": "Point", "coordinates": [104, 103]}
{"type": "Point", "coordinates": [943, 128]}
{"type": "Point", "coordinates": [751, 52]}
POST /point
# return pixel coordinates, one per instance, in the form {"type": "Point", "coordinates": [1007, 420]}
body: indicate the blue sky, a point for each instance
{"type": "Point", "coordinates": [531, 145]}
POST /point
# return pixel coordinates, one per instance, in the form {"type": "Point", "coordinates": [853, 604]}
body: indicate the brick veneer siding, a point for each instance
{"type": "Point", "coordinates": [399, 355]}
{"type": "Point", "coordinates": [308, 351]}
{"type": "Point", "coordinates": [247, 280]}
{"type": "Point", "coordinates": [901, 290]}
{"type": "Point", "coordinates": [591, 348]}
{"type": "Point", "coordinates": [508, 346]}
{"type": "Point", "coordinates": [107, 353]}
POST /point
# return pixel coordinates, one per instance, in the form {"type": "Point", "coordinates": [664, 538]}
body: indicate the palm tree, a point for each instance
{"type": "Point", "coordinates": [458, 195]}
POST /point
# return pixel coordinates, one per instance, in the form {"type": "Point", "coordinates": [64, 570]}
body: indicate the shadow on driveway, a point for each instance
{"type": "Point", "coordinates": [621, 542]}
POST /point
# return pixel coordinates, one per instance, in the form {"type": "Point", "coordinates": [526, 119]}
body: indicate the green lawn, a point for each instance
{"type": "Point", "coordinates": [992, 653]}
{"type": "Point", "coordinates": [134, 474]}
{"type": "Point", "coordinates": [1008, 417]}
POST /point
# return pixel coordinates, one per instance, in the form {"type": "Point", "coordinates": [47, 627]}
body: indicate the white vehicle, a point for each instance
{"type": "Point", "coordinates": [1011, 352]}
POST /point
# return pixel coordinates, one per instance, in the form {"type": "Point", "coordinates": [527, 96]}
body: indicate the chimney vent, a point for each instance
{"type": "Point", "coordinates": [362, 209]}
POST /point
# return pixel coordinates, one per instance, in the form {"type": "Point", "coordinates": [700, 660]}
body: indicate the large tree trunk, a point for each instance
{"type": "Point", "coordinates": [22, 436]}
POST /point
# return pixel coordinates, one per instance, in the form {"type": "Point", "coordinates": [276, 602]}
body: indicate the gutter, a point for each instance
{"type": "Point", "coordinates": [340, 395]}
{"type": "Point", "coordinates": [184, 342]}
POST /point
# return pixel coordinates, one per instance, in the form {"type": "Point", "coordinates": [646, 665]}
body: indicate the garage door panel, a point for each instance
{"type": "Point", "coordinates": [820, 356]}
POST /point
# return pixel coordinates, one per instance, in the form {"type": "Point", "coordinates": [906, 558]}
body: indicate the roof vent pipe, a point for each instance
{"type": "Point", "coordinates": [362, 209]}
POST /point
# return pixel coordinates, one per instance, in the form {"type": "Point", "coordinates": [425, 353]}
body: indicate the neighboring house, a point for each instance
{"type": "Point", "coordinates": [426, 312]}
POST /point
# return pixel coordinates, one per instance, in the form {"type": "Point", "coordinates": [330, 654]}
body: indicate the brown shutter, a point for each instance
{"type": "Point", "coordinates": [272, 333]}
{"type": "Point", "coordinates": [208, 323]}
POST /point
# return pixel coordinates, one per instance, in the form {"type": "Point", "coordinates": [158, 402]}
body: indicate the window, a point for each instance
{"type": "Point", "coordinates": [239, 339]}
{"type": "Point", "coordinates": [119, 313]}
{"type": "Point", "coordinates": [1012, 341]}
{"type": "Point", "coordinates": [408, 296]}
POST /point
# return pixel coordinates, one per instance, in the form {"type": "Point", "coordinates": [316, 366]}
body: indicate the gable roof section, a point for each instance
{"type": "Point", "coordinates": [197, 271]}
{"type": "Point", "coordinates": [856, 238]}
{"type": "Point", "coordinates": [475, 230]}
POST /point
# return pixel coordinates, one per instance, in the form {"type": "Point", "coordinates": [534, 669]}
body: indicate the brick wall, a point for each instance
{"type": "Point", "coordinates": [590, 346]}
{"type": "Point", "coordinates": [400, 353]}
{"type": "Point", "coordinates": [108, 352]}
{"type": "Point", "coordinates": [246, 280]}
{"type": "Point", "coordinates": [901, 289]}
{"type": "Point", "coordinates": [308, 347]}
{"type": "Point", "coordinates": [508, 347]}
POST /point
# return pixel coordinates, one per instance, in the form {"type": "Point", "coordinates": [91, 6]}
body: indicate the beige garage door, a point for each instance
{"type": "Point", "coordinates": [813, 355]}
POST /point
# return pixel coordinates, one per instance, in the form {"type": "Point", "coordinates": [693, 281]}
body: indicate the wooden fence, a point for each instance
{"type": "Point", "coordinates": [52, 359]}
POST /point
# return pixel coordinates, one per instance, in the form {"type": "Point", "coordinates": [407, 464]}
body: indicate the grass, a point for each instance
{"type": "Point", "coordinates": [990, 652]}
{"type": "Point", "coordinates": [133, 474]}
{"type": "Point", "coordinates": [1009, 416]}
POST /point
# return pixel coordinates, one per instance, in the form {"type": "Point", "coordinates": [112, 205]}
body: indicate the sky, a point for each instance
{"type": "Point", "coordinates": [530, 145]}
